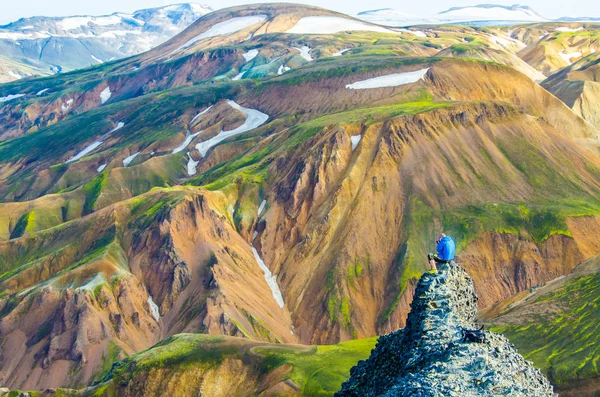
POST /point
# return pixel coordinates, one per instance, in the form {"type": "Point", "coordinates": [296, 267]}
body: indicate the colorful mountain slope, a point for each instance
{"type": "Point", "coordinates": [274, 187]}
{"type": "Point", "coordinates": [578, 86]}
{"type": "Point", "coordinates": [555, 326]}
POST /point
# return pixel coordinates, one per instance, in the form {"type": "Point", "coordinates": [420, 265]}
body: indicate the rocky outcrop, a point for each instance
{"type": "Point", "coordinates": [429, 358]}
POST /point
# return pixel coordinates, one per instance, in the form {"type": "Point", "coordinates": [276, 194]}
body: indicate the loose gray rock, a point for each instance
{"type": "Point", "coordinates": [428, 357]}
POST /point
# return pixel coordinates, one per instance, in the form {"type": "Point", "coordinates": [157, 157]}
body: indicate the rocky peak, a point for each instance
{"type": "Point", "coordinates": [429, 358]}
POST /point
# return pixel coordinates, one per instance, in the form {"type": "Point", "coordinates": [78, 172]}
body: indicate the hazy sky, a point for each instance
{"type": "Point", "coordinates": [11, 10]}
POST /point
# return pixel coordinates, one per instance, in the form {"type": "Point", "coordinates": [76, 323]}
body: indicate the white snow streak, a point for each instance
{"type": "Point", "coordinates": [120, 125]}
{"type": "Point", "coordinates": [10, 97]}
{"type": "Point", "coordinates": [567, 29]}
{"type": "Point", "coordinates": [569, 56]}
{"type": "Point", "coordinates": [129, 159]}
{"type": "Point", "coordinates": [418, 33]}
{"type": "Point", "coordinates": [282, 69]}
{"type": "Point", "coordinates": [270, 278]}
{"type": "Point", "coordinates": [88, 149]}
{"type": "Point", "coordinates": [191, 165]}
{"type": "Point", "coordinates": [261, 208]}
{"type": "Point", "coordinates": [329, 25]}
{"type": "Point", "coordinates": [97, 59]}
{"type": "Point", "coordinates": [238, 77]}
{"type": "Point", "coordinates": [153, 308]}
{"type": "Point", "coordinates": [101, 168]}
{"type": "Point", "coordinates": [67, 106]}
{"type": "Point", "coordinates": [42, 91]}
{"type": "Point", "coordinates": [305, 52]}
{"type": "Point", "coordinates": [391, 80]}
{"type": "Point", "coordinates": [355, 139]}
{"type": "Point", "coordinates": [15, 75]}
{"type": "Point", "coordinates": [341, 52]}
{"type": "Point", "coordinates": [226, 27]}
{"type": "Point", "coordinates": [250, 55]}
{"type": "Point", "coordinates": [105, 95]}
{"type": "Point", "coordinates": [188, 139]}
{"type": "Point", "coordinates": [85, 151]}
{"type": "Point", "coordinates": [254, 119]}
{"type": "Point", "coordinates": [202, 113]}
{"type": "Point", "coordinates": [254, 235]}
{"type": "Point", "coordinates": [74, 22]}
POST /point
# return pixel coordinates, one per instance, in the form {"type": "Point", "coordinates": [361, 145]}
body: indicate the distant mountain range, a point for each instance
{"type": "Point", "coordinates": [46, 45]}
{"type": "Point", "coordinates": [483, 14]}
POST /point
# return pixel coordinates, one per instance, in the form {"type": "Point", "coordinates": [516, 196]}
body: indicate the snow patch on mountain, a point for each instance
{"type": "Point", "coordinates": [129, 159]}
{"type": "Point", "coordinates": [567, 57]}
{"type": "Point", "coordinates": [282, 69]}
{"type": "Point", "coordinates": [188, 139]}
{"type": "Point", "coordinates": [305, 52]}
{"type": "Point", "coordinates": [254, 119]}
{"type": "Point", "coordinates": [88, 149]}
{"type": "Point", "coordinates": [74, 22]}
{"type": "Point", "coordinates": [269, 278]}
{"type": "Point", "coordinates": [355, 139]}
{"type": "Point", "coordinates": [418, 33]}
{"type": "Point", "coordinates": [105, 95]}
{"type": "Point", "coordinates": [229, 26]}
{"type": "Point", "coordinates": [66, 106]}
{"type": "Point", "coordinates": [97, 59]}
{"type": "Point", "coordinates": [567, 29]}
{"type": "Point", "coordinates": [261, 208]}
{"type": "Point", "coordinates": [250, 55]}
{"type": "Point", "coordinates": [341, 52]}
{"type": "Point", "coordinates": [91, 147]}
{"type": "Point", "coordinates": [15, 75]}
{"type": "Point", "coordinates": [101, 168]}
{"type": "Point", "coordinates": [390, 80]}
{"type": "Point", "coordinates": [329, 25]}
{"type": "Point", "coordinates": [202, 113]}
{"type": "Point", "coordinates": [191, 165]}
{"type": "Point", "coordinates": [153, 308]}
{"type": "Point", "coordinates": [10, 97]}
{"type": "Point", "coordinates": [42, 91]}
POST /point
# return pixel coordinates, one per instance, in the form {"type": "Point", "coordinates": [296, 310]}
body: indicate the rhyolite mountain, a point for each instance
{"type": "Point", "coordinates": [578, 85]}
{"type": "Point", "coordinates": [276, 174]}
{"type": "Point", "coordinates": [40, 46]}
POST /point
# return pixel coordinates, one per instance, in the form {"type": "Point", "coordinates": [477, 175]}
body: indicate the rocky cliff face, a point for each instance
{"type": "Point", "coordinates": [428, 357]}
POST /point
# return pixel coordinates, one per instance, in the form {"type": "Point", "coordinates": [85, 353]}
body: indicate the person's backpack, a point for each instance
{"type": "Point", "coordinates": [474, 335]}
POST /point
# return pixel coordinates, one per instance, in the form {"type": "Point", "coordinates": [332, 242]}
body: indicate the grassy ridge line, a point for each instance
{"type": "Point", "coordinates": [563, 341]}
{"type": "Point", "coordinates": [317, 370]}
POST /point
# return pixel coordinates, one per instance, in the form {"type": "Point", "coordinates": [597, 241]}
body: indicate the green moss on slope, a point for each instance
{"type": "Point", "coordinates": [564, 341]}
{"type": "Point", "coordinates": [317, 370]}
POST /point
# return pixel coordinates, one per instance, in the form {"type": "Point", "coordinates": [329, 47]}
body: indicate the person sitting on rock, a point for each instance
{"type": "Point", "coordinates": [445, 252]}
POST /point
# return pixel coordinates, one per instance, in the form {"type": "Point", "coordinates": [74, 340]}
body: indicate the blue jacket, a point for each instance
{"type": "Point", "coordinates": [446, 249]}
